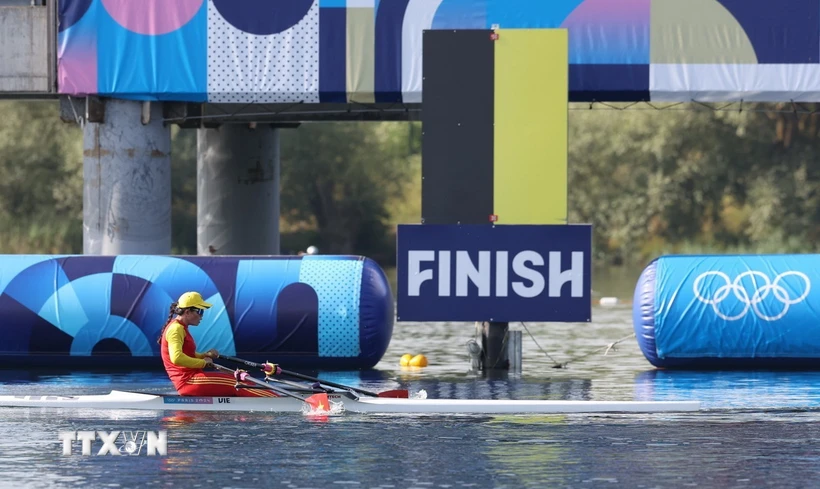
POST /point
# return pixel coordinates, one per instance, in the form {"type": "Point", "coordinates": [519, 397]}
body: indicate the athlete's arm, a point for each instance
{"type": "Point", "coordinates": [175, 335]}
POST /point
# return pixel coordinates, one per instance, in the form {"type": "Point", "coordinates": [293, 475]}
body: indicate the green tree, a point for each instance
{"type": "Point", "coordinates": [696, 180]}
{"type": "Point", "coordinates": [650, 182]}
{"type": "Point", "coordinates": [41, 180]}
{"type": "Point", "coordinates": [184, 190]}
{"type": "Point", "coordinates": [339, 178]}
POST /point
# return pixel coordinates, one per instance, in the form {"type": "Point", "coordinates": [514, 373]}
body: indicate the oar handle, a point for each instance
{"type": "Point", "coordinates": [266, 386]}
{"type": "Point", "coordinates": [327, 382]}
{"type": "Point", "coordinates": [299, 376]}
{"type": "Point", "coordinates": [244, 362]}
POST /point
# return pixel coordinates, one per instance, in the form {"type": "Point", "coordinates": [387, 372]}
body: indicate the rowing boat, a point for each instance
{"type": "Point", "coordinates": [341, 401]}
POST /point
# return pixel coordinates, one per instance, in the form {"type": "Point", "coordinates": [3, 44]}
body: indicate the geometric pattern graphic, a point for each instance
{"type": "Point", "coordinates": [420, 15]}
{"type": "Point", "coordinates": [308, 51]}
{"type": "Point", "coordinates": [360, 62]}
{"type": "Point", "coordinates": [279, 66]}
{"type": "Point", "coordinates": [72, 12]}
{"type": "Point", "coordinates": [778, 35]}
{"type": "Point", "coordinates": [139, 16]}
{"type": "Point", "coordinates": [339, 311]}
{"type": "Point", "coordinates": [263, 17]}
{"type": "Point", "coordinates": [77, 45]}
{"type": "Point", "coordinates": [167, 34]}
{"type": "Point", "coordinates": [687, 33]}
{"type": "Point", "coordinates": [83, 306]}
{"type": "Point", "coordinates": [605, 32]}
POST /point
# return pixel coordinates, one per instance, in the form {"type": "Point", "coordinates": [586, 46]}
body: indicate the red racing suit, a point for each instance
{"type": "Point", "coordinates": [185, 368]}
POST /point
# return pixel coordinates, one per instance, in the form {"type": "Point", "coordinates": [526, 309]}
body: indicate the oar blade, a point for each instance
{"type": "Point", "coordinates": [319, 403]}
{"type": "Point", "coordinates": [395, 393]}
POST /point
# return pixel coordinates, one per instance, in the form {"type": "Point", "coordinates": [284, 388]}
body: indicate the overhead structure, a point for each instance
{"type": "Point", "coordinates": [353, 54]}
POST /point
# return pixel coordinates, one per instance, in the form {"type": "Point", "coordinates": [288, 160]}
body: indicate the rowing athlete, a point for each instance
{"type": "Point", "coordinates": [185, 365]}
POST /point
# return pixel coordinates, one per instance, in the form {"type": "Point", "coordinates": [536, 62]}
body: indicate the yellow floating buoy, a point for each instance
{"type": "Point", "coordinates": [405, 360]}
{"type": "Point", "coordinates": [418, 361]}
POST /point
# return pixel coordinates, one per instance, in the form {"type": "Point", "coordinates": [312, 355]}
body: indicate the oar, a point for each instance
{"type": "Point", "coordinates": [268, 369]}
{"type": "Point", "coordinates": [297, 385]}
{"type": "Point", "coordinates": [316, 401]}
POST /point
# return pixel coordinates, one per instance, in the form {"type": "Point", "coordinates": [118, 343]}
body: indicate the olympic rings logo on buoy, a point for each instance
{"type": "Point", "coordinates": [752, 302]}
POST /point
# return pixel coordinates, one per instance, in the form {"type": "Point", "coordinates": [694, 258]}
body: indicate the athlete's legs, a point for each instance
{"type": "Point", "coordinates": [218, 385]}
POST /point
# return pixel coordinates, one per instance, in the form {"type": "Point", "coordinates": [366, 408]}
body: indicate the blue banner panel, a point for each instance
{"type": "Point", "coordinates": [494, 273]}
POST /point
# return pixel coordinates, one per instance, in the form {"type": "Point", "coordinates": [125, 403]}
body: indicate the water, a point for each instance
{"type": "Point", "coordinates": [756, 428]}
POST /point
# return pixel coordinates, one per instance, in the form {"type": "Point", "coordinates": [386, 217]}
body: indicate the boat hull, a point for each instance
{"type": "Point", "coordinates": [375, 405]}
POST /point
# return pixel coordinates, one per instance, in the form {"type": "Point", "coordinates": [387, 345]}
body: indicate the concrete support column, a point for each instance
{"type": "Point", "coordinates": [238, 190]}
{"type": "Point", "coordinates": [127, 181]}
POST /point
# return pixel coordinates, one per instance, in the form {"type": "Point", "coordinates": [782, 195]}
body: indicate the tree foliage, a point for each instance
{"type": "Point", "coordinates": [183, 188]}
{"type": "Point", "coordinates": [41, 179]}
{"type": "Point", "coordinates": [650, 182]}
{"type": "Point", "coordinates": [655, 181]}
{"type": "Point", "coordinates": [339, 178]}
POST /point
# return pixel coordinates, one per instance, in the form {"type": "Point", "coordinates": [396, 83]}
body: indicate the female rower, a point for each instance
{"type": "Point", "coordinates": [184, 364]}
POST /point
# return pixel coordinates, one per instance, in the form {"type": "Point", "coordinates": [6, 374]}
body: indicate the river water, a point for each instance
{"type": "Point", "coordinates": [756, 428]}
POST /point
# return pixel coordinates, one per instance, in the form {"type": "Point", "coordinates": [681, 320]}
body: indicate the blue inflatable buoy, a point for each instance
{"type": "Point", "coordinates": [320, 311]}
{"type": "Point", "coordinates": [729, 311]}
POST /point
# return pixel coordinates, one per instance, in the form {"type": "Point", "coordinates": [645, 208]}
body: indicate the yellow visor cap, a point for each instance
{"type": "Point", "coordinates": [192, 299]}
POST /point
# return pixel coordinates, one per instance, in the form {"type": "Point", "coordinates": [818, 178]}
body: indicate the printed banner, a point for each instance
{"type": "Point", "coordinates": [751, 306]}
{"type": "Point", "coordinates": [494, 273]}
{"type": "Point", "coordinates": [292, 309]}
{"type": "Point", "coordinates": [363, 51]}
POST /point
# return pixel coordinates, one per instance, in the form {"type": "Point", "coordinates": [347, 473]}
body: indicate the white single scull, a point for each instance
{"type": "Point", "coordinates": [376, 405]}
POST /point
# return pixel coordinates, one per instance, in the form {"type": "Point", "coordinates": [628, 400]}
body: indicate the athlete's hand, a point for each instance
{"type": "Point", "coordinates": [209, 362]}
{"type": "Point", "coordinates": [212, 353]}
{"type": "Point", "coordinates": [272, 369]}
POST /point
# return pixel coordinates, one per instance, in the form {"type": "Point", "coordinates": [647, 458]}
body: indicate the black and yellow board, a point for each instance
{"type": "Point", "coordinates": [494, 115]}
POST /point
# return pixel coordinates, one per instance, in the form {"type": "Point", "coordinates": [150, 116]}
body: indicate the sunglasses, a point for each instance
{"type": "Point", "coordinates": [198, 311]}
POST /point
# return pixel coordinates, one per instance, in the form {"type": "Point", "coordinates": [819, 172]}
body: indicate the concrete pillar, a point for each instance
{"type": "Point", "coordinates": [127, 181]}
{"type": "Point", "coordinates": [238, 190]}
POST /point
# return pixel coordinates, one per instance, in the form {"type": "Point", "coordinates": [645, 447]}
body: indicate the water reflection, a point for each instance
{"type": "Point", "coordinates": [59, 382]}
{"type": "Point", "coordinates": [529, 456]}
{"type": "Point", "coordinates": [732, 389]}
{"type": "Point", "coordinates": [570, 389]}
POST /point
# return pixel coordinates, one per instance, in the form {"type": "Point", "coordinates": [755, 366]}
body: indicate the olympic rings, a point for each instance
{"type": "Point", "coordinates": [761, 292]}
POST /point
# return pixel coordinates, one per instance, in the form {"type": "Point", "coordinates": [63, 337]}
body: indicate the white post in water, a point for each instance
{"type": "Point", "coordinates": [514, 350]}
